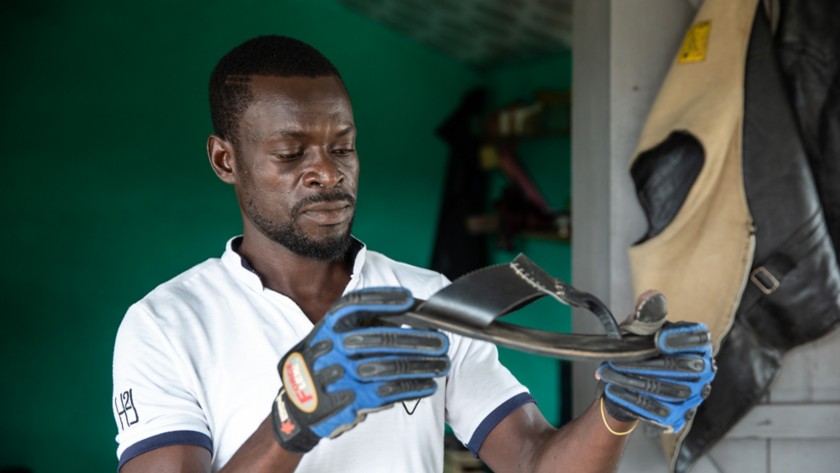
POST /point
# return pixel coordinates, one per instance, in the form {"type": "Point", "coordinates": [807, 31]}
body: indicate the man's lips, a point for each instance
{"type": "Point", "coordinates": [328, 213]}
{"type": "Point", "coordinates": [326, 206]}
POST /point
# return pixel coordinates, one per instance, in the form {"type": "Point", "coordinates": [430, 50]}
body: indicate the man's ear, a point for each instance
{"type": "Point", "coordinates": [221, 155]}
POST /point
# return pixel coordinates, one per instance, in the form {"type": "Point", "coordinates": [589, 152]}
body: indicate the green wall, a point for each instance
{"type": "Point", "coordinates": [547, 161]}
{"type": "Point", "coordinates": [108, 191]}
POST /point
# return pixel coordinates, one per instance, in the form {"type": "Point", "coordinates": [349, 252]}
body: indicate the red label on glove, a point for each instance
{"type": "Point", "coordinates": [298, 382]}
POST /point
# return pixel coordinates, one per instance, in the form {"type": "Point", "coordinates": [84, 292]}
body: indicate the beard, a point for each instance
{"type": "Point", "coordinates": [290, 235]}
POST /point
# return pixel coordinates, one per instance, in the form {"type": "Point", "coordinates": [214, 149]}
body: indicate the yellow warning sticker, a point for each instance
{"type": "Point", "coordinates": [694, 45]}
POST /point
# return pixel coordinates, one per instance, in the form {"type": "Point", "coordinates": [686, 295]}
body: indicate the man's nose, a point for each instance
{"type": "Point", "coordinates": [323, 171]}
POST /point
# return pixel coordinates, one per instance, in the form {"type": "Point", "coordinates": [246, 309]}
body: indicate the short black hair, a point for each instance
{"type": "Point", "coordinates": [230, 91]}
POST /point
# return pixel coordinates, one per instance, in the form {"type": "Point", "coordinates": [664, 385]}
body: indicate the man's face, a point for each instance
{"type": "Point", "coordinates": [296, 165]}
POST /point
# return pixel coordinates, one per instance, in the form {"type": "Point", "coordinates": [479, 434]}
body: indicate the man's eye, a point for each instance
{"type": "Point", "coordinates": [344, 151]}
{"type": "Point", "coordinates": [287, 154]}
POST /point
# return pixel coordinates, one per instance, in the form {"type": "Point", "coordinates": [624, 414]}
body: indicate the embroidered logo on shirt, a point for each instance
{"type": "Point", "coordinates": [411, 411]}
{"type": "Point", "coordinates": [125, 409]}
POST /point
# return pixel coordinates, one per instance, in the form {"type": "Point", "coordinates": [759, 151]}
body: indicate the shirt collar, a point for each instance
{"type": "Point", "coordinates": [243, 270]}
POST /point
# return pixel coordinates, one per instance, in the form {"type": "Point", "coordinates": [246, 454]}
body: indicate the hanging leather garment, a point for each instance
{"type": "Point", "coordinates": [764, 288]}
{"type": "Point", "coordinates": [456, 250]}
{"type": "Point", "coordinates": [793, 294]}
{"type": "Point", "coordinates": [808, 41]}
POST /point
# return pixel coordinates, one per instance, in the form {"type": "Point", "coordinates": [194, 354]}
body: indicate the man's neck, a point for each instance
{"type": "Point", "coordinates": [312, 284]}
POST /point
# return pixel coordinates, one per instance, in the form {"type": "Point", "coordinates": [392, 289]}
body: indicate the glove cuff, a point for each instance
{"type": "Point", "coordinates": [617, 412]}
{"type": "Point", "coordinates": [614, 410]}
{"type": "Point", "coordinates": [610, 429]}
{"type": "Point", "coordinates": [290, 434]}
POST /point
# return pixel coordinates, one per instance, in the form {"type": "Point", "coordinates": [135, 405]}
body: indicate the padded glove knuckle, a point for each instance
{"type": "Point", "coordinates": [394, 340]}
{"type": "Point", "coordinates": [683, 337]}
{"type": "Point", "coordinates": [353, 308]}
{"type": "Point", "coordinates": [400, 387]}
{"type": "Point", "coordinates": [401, 367]}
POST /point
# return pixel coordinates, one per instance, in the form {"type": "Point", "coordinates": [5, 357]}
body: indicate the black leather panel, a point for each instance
{"type": "Point", "coordinates": [808, 40]}
{"type": "Point", "coordinates": [663, 177]}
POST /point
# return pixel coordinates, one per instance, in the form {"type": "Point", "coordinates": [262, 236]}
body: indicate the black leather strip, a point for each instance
{"type": "Point", "coordinates": [570, 346]}
{"type": "Point", "coordinates": [471, 305]}
{"type": "Point", "coordinates": [767, 275]}
{"type": "Point", "coordinates": [480, 297]}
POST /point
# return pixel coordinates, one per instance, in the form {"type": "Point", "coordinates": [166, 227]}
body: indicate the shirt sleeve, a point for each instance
{"type": "Point", "coordinates": [154, 403]}
{"type": "Point", "coordinates": [480, 391]}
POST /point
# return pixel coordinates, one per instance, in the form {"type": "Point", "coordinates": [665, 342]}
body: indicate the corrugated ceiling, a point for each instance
{"type": "Point", "coordinates": [481, 33]}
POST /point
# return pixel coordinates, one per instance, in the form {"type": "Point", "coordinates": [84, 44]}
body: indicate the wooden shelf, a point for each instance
{"type": "Point", "coordinates": [489, 224]}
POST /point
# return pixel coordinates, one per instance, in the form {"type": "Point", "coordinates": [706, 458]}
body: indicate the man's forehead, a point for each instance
{"type": "Point", "coordinates": [297, 88]}
{"type": "Point", "coordinates": [284, 106]}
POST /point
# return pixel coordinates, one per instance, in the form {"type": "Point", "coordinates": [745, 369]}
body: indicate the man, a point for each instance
{"type": "Point", "coordinates": [195, 364]}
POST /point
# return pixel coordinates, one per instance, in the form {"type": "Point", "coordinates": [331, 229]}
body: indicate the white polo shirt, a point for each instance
{"type": "Point", "coordinates": [195, 363]}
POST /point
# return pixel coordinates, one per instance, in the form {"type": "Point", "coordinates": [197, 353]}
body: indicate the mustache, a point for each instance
{"type": "Point", "coordinates": [329, 196]}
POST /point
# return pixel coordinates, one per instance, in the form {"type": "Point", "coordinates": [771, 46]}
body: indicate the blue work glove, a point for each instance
{"type": "Point", "coordinates": [667, 389]}
{"type": "Point", "coordinates": [346, 368]}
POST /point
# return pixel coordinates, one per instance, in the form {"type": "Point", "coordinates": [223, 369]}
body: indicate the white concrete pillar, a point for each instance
{"type": "Point", "coordinates": [622, 50]}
